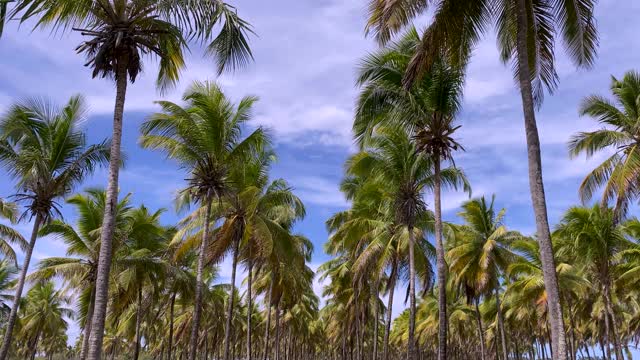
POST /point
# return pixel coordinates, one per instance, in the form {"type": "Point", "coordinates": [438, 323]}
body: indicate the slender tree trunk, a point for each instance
{"type": "Point", "coordinates": [503, 338]}
{"type": "Point", "coordinates": [249, 312]}
{"type": "Point", "coordinates": [480, 331]}
{"type": "Point", "coordinates": [6, 344]}
{"type": "Point", "coordinates": [537, 186]}
{"type": "Point", "coordinates": [87, 325]}
{"type": "Point", "coordinates": [441, 267]}
{"type": "Point", "coordinates": [411, 352]}
{"type": "Point", "coordinates": [227, 330]}
{"type": "Point", "coordinates": [277, 345]}
{"type": "Point", "coordinates": [609, 310]}
{"type": "Point", "coordinates": [268, 328]}
{"type": "Point", "coordinates": [108, 222]}
{"type": "Point", "coordinates": [197, 306]}
{"type": "Point", "coordinates": [171, 315]}
{"type": "Point", "coordinates": [387, 329]}
{"type": "Point", "coordinates": [136, 352]}
{"type": "Point", "coordinates": [376, 315]}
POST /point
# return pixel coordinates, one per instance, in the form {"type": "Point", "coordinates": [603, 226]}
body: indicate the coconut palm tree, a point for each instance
{"type": "Point", "coordinates": [407, 173]}
{"type": "Point", "coordinates": [119, 34]}
{"type": "Point", "coordinates": [526, 38]}
{"type": "Point", "coordinates": [7, 272]}
{"type": "Point", "coordinates": [8, 235]}
{"type": "Point", "coordinates": [205, 138]}
{"type": "Point", "coordinates": [617, 175]}
{"type": "Point", "coordinates": [43, 149]}
{"type": "Point", "coordinates": [79, 268]}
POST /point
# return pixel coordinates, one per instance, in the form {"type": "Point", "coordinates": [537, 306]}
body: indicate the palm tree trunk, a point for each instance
{"type": "Point", "coordinates": [87, 325]}
{"type": "Point", "coordinates": [376, 315]}
{"type": "Point", "coordinates": [480, 330]}
{"type": "Point", "coordinates": [136, 352]}
{"type": "Point", "coordinates": [537, 187]}
{"type": "Point", "coordinates": [16, 299]}
{"type": "Point", "coordinates": [611, 323]}
{"type": "Point", "coordinates": [503, 338]}
{"type": "Point", "coordinates": [249, 312]}
{"type": "Point", "coordinates": [277, 345]}
{"type": "Point", "coordinates": [227, 330]}
{"type": "Point", "coordinates": [441, 266]}
{"type": "Point", "coordinates": [171, 313]}
{"type": "Point", "coordinates": [411, 352]}
{"type": "Point", "coordinates": [197, 306]}
{"type": "Point", "coordinates": [387, 330]}
{"type": "Point", "coordinates": [268, 328]}
{"type": "Point", "coordinates": [108, 222]}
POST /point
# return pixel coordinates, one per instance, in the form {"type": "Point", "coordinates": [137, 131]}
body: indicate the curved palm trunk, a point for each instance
{"type": "Point", "coordinates": [171, 313]}
{"type": "Point", "coordinates": [197, 306]}
{"type": "Point", "coordinates": [6, 344]}
{"type": "Point", "coordinates": [411, 353]}
{"type": "Point", "coordinates": [227, 330]}
{"type": "Point", "coordinates": [136, 352]}
{"type": "Point", "coordinates": [249, 312]}
{"type": "Point", "coordinates": [503, 338]}
{"type": "Point", "coordinates": [480, 331]}
{"type": "Point", "coordinates": [268, 328]}
{"type": "Point", "coordinates": [387, 330]}
{"type": "Point", "coordinates": [87, 325]}
{"type": "Point", "coordinates": [441, 266]}
{"type": "Point", "coordinates": [537, 187]}
{"type": "Point", "coordinates": [106, 233]}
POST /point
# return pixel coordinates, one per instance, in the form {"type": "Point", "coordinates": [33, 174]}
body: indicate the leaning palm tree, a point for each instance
{"type": "Point", "coordinates": [618, 174]}
{"type": "Point", "coordinates": [8, 235]}
{"type": "Point", "coordinates": [427, 110]}
{"type": "Point", "coordinates": [526, 33]}
{"type": "Point", "coordinates": [391, 156]}
{"type": "Point", "coordinates": [120, 33]}
{"type": "Point", "coordinates": [43, 149]}
{"type": "Point", "coordinates": [205, 138]}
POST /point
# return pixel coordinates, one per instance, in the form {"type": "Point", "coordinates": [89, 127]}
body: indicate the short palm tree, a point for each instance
{"type": "Point", "coordinates": [618, 174]}
{"type": "Point", "coordinates": [43, 149]}
{"type": "Point", "coordinates": [205, 138]}
{"type": "Point", "coordinates": [8, 235]}
{"type": "Point", "coordinates": [120, 33]}
{"type": "Point", "coordinates": [526, 34]}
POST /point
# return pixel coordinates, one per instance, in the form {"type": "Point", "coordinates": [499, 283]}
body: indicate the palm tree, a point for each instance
{"type": "Point", "coordinates": [43, 315]}
{"type": "Point", "coordinates": [427, 110]}
{"type": "Point", "coordinates": [526, 37]}
{"type": "Point", "coordinates": [392, 156]}
{"type": "Point", "coordinates": [120, 33]}
{"type": "Point", "coordinates": [7, 272]}
{"type": "Point", "coordinates": [205, 138]}
{"type": "Point", "coordinates": [43, 149]}
{"type": "Point", "coordinates": [619, 119]}
{"type": "Point", "coordinates": [481, 254]}
{"type": "Point", "coordinates": [9, 235]}
{"type": "Point", "coordinates": [80, 266]}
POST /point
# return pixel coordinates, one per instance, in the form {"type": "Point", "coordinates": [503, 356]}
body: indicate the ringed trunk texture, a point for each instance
{"type": "Point", "coordinates": [16, 300]}
{"type": "Point", "coordinates": [503, 338]}
{"type": "Point", "coordinates": [227, 329]}
{"type": "Point", "coordinates": [197, 306]}
{"type": "Point", "coordinates": [411, 352]}
{"type": "Point", "coordinates": [537, 188]}
{"type": "Point", "coordinates": [387, 329]}
{"type": "Point", "coordinates": [441, 267]}
{"type": "Point", "coordinates": [106, 233]}
{"type": "Point", "coordinates": [87, 326]}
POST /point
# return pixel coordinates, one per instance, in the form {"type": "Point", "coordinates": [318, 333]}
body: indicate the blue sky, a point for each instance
{"type": "Point", "coordinates": [306, 52]}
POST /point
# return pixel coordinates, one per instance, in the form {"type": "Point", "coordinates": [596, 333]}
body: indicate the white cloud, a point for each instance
{"type": "Point", "coordinates": [318, 190]}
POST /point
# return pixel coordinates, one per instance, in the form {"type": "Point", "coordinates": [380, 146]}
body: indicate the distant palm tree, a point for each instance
{"type": "Point", "coordinates": [8, 235]}
{"type": "Point", "coordinates": [205, 138]}
{"type": "Point", "coordinates": [120, 33]}
{"type": "Point", "coordinates": [7, 282]}
{"type": "Point", "coordinates": [42, 147]}
{"type": "Point", "coordinates": [80, 266]}
{"type": "Point", "coordinates": [618, 174]}
{"type": "Point", "coordinates": [526, 38]}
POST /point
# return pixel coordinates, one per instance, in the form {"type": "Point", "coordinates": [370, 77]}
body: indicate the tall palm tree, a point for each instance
{"type": "Point", "coordinates": [619, 132]}
{"type": "Point", "coordinates": [120, 33]}
{"type": "Point", "coordinates": [205, 138]}
{"type": "Point", "coordinates": [481, 254]}
{"type": "Point", "coordinates": [391, 155]}
{"type": "Point", "coordinates": [8, 235]}
{"type": "Point", "coordinates": [526, 38]}
{"type": "Point", "coordinates": [427, 110]}
{"type": "Point", "coordinates": [43, 149]}
{"type": "Point", "coordinates": [80, 266]}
